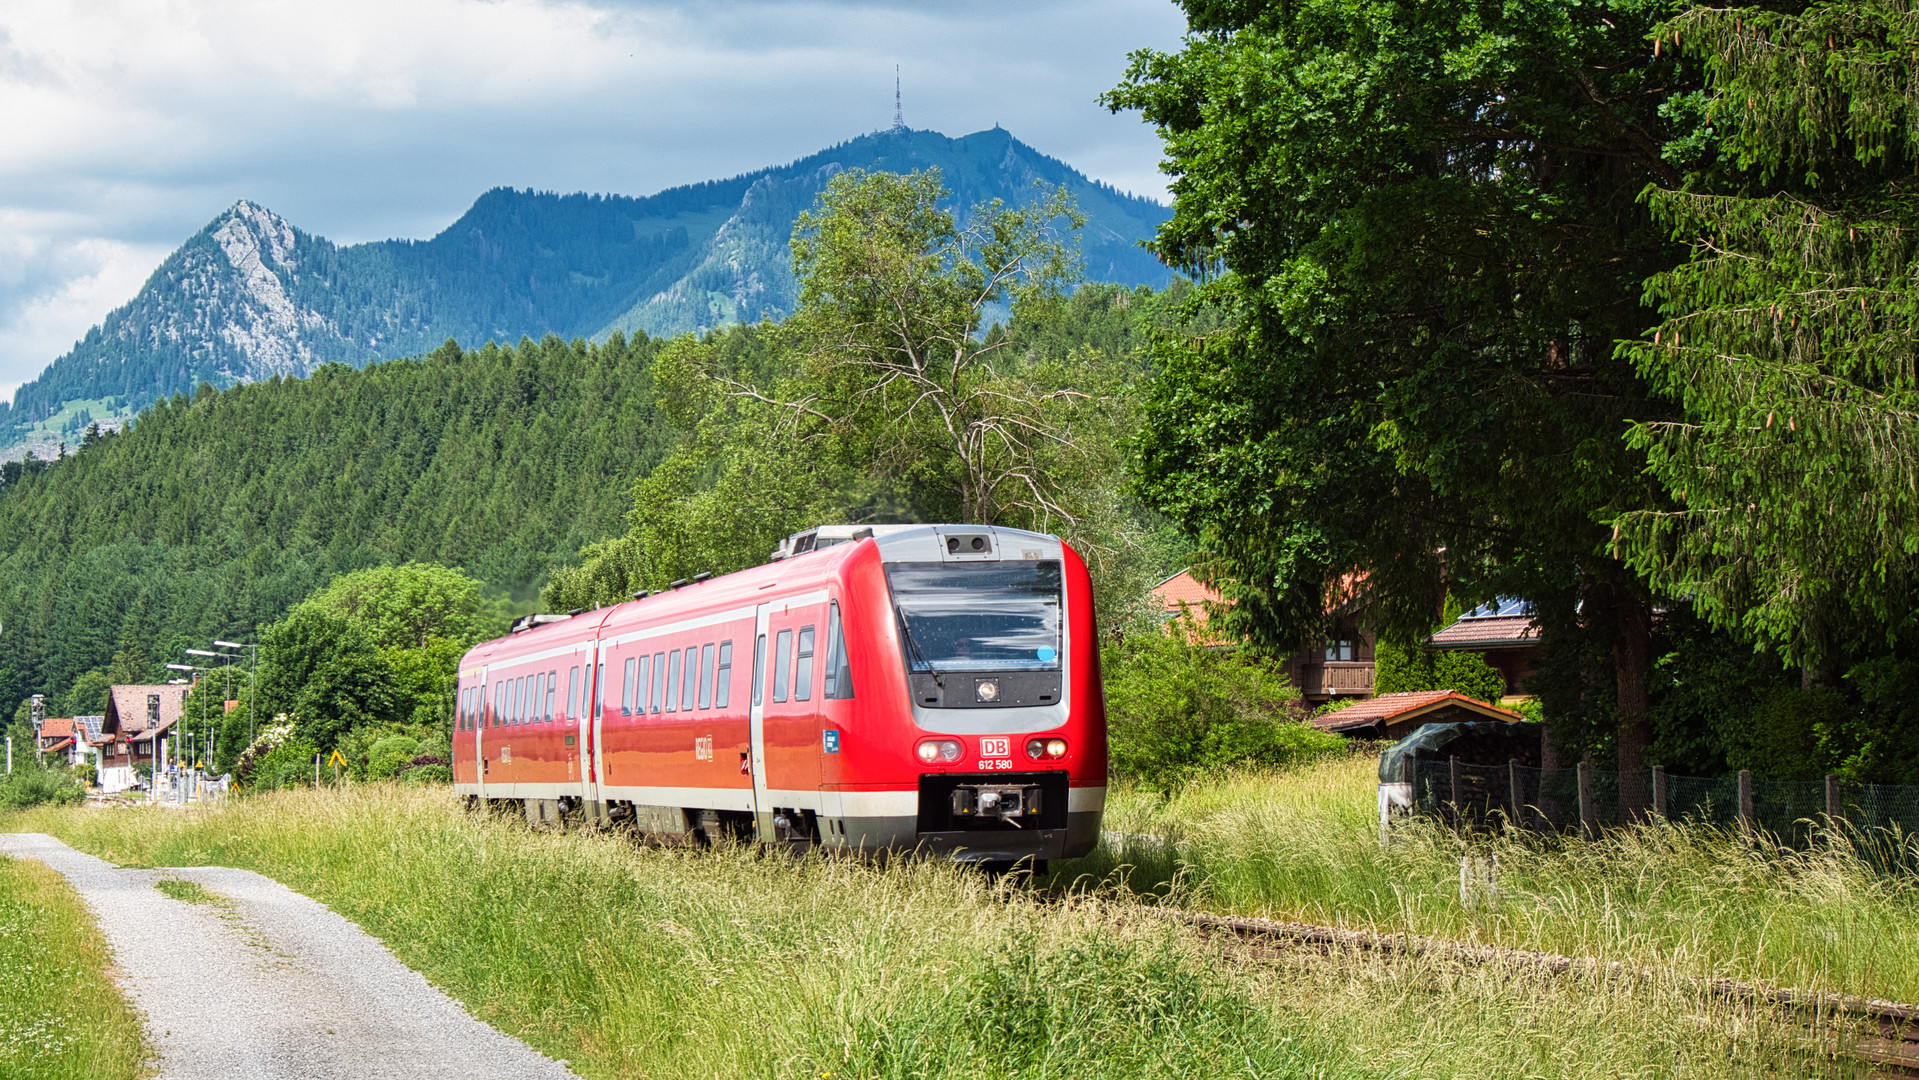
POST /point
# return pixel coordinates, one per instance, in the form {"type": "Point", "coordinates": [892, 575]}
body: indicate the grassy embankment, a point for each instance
{"type": "Point", "coordinates": [651, 962]}
{"type": "Point", "coordinates": [61, 1017]}
{"type": "Point", "coordinates": [1688, 900]}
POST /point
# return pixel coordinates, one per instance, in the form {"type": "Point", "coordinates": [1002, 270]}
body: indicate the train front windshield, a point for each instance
{"type": "Point", "coordinates": [987, 616]}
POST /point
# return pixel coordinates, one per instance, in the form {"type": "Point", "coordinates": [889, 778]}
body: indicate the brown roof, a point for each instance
{"type": "Point", "coordinates": [56, 727]}
{"type": "Point", "coordinates": [1184, 588]}
{"type": "Point", "coordinates": [61, 745]}
{"type": "Point", "coordinates": [1394, 708]}
{"type": "Point", "coordinates": [1487, 631]}
{"type": "Point", "coordinates": [127, 707]}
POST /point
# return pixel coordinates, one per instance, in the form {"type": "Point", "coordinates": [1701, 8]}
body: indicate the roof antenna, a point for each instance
{"type": "Point", "coordinates": [899, 117]}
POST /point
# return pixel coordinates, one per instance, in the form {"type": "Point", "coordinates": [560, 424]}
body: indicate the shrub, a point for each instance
{"type": "Point", "coordinates": [429, 774]}
{"type": "Point", "coordinates": [1176, 710]}
{"type": "Point", "coordinates": [290, 764]}
{"type": "Point", "coordinates": [33, 787]}
{"type": "Point", "coordinates": [1398, 668]}
{"type": "Point", "coordinates": [391, 756]}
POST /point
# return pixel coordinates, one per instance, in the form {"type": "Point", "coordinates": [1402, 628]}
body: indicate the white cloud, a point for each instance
{"type": "Point", "coordinates": [133, 122]}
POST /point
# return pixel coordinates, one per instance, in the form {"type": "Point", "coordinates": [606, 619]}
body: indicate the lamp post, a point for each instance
{"type": "Point", "coordinates": [37, 712]}
{"type": "Point", "coordinates": [253, 667]}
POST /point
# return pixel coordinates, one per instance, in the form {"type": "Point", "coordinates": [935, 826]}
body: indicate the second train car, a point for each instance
{"type": "Point", "coordinates": [932, 688]}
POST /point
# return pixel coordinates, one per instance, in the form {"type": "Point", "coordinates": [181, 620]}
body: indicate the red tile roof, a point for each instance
{"type": "Point", "coordinates": [1484, 632]}
{"type": "Point", "coordinates": [56, 727]}
{"type": "Point", "coordinates": [1184, 588]}
{"type": "Point", "coordinates": [1393, 708]}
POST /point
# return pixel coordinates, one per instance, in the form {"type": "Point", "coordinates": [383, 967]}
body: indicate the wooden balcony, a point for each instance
{"type": "Point", "coordinates": [1336, 678]}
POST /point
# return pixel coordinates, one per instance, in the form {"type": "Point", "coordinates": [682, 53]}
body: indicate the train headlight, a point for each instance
{"type": "Point", "coordinates": [1041, 749]}
{"type": "Point", "coordinates": [933, 750]}
{"type": "Point", "coordinates": [988, 690]}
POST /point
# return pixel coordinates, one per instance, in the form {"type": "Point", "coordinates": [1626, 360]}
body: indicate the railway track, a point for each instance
{"type": "Point", "coordinates": [1886, 1033]}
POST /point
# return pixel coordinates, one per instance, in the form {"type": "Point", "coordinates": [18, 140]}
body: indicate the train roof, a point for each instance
{"type": "Point", "coordinates": [742, 588]}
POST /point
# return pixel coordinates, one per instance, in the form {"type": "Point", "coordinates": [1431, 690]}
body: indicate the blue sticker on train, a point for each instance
{"type": "Point", "coordinates": [832, 737]}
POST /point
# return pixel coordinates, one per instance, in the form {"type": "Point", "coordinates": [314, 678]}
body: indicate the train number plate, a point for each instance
{"type": "Point", "coordinates": [995, 764]}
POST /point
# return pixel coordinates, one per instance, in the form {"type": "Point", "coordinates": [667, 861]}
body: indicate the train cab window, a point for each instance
{"type": "Point", "coordinates": [689, 671]}
{"type": "Point", "coordinates": [839, 671]}
{"type": "Point", "coordinates": [673, 681]}
{"type": "Point", "coordinates": [706, 676]}
{"type": "Point", "coordinates": [659, 679]}
{"type": "Point", "coordinates": [759, 665]}
{"type": "Point", "coordinates": [573, 692]}
{"type": "Point", "coordinates": [552, 692]}
{"type": "Point", "coordinates": [629, 686]}
{"type": "Point", "coordinates": [724, 676]}
{"type": "Point", "coordinates": [803, 667]}
{"type": "Point", "coordinates": [782, 663]}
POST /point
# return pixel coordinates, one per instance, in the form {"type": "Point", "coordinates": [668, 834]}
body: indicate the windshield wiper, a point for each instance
{"type": "Point", "coordinates": [907, 633]}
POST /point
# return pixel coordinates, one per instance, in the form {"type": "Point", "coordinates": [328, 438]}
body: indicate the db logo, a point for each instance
{"type": "Point", "coordinates": [995, 747]}
{"type": "Point", "coordinates": [703, 748]}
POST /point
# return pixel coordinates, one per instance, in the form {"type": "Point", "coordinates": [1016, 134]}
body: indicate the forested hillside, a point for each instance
{"type": "Point", "coordinates": [211, 516]}
{"type": "Point", "coordinates": [251, 295]}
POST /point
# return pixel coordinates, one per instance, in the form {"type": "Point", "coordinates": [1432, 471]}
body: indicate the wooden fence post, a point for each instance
{"type": "Point", "coordinates": [1745, 804]}
{"type": "Point", "coordinates": [1518, 816]}
{"type": "Point", "coordinates": [1661, 798]}
{"type": "Point", "coordinates": [1588, 813]}
{"type": "Point", "coordinates": [1453, 793]}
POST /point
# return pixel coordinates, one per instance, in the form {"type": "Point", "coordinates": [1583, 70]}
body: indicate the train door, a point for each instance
{"type": "Point", "coordinates": [480, 715]}
{"type": "Point", "coordinates": [756, 728]}
{"type": "Point", "coordinates": [587, 723]}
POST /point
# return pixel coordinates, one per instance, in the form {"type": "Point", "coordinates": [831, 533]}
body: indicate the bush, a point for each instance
{"type": "Point", "coordinates": [1398, 668]}
{"type": "Point", "coordinates": [33, 787]}
{"type": "Point", "coordinates": [288, 765]}
{"type": "Point", "coordinates": [429, 774]}
{"type": "Point", "coordinates": [391, 756]}
{"type": "Point", "coordinates": [1176, 711]}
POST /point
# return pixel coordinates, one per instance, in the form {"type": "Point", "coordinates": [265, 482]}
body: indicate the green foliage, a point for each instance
{"type": "Point", "coordinates": [88, 695]}
{"type": "Point", "coordinates": [1789, 336]}
{"type": "Point", "coordinates": [288, 764]}
{"type": "Point", "coordinates": [211, 517]}
{"type": "Point", "coordinates": [325, 672]}
{"type": "Point", "coordinates": [1399, 667]}
{"type": "Point", "coordinates": [1419, 224]}
{"type": "Point", "coordinates": [28, 785]}
{"type": "Point", "coordinates": [390, 755]}
{"type": "Point", "coordinates": [1177, 711]}
{"type": "Point", "coordinates": [411, 606]}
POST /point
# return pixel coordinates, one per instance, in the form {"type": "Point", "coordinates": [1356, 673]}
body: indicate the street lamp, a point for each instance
{"type": "Point", "coordinates": [252, 668]}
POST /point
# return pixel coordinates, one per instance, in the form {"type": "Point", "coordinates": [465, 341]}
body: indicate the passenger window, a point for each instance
{"type": "Point", "coordinates": [552, 692]}
{"type": "Point", "coordinates": [659, 679]}
{"type": "Point", "coordinates": [573, 692]}
{"type": "Point", "coordinates": [628, 687]}
{"type": "Point", "coordinates": [646, 676]}
{"type": "Point", "coordinates": [759, 665]}
{"type": "Point", "coordinates": [499, 698]}
{"type": "Point", "coordinates": [782, 663]}
{"type": "Point", "coordinates": [803, 671]}
{"type": "Point", "coordinates": [725, 675]}
{"type": "Point", "coordinates": [599, 690]}
{"type": "Point", "coordinates": [515, 694]}
{"type": "Point", "coordinates": [839, 670]}
{"type": "Point", "coordinates": [672, 681]}
{"type": "Point", "coordinates": [706, 676]}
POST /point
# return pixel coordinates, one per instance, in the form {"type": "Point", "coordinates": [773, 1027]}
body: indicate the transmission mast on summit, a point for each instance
{"type": "Point", "coordinates": [899, 116]}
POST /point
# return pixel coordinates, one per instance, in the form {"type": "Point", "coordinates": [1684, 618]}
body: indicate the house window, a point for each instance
{"type": "Point", "coordinates": [1340, 650]}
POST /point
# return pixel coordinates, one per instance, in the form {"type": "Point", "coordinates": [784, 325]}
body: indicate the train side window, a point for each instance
{"type": "Point", "coordinates": [629, 685]}
{"type": "Point", "coordinates": [673, 681]}
{"type": "Point", "coordinates": [721, 691]}
{"type": "Point", "coordinates": [499, 697]}
{"type": "Point", "coordinates": [521, 691]}
{"type": "Point", "coordinates": [599, 690]}
{"type": "Point", "coordinates": [552, 692]}
{"type": "Point", "coordinates": [782, 663]}
{"type": "Point", "coordinates": [839, 669]}
{"type": "Point", "coordinates": [513, 701]}
{"type": "Point", "coordinates": [646, 677]}
{"type": "Point", "coordinates": [659, 679]}
{"type": "Point", "coordinates": [803, 667]}
{"type": "Point", "coordinates": [689, 672]}
{"type": "Point", "coordinates": [759, 665]}
{"type": "Point", "coordinates": [573, 693]}
{"type": "Point", "coordinates": [706, 675]}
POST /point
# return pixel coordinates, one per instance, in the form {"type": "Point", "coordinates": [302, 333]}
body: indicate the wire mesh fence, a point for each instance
{"type": "Point", "coordinates": [1585, 799]}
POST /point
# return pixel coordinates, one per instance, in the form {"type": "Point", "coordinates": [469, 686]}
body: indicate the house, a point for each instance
{"type": "Point", "coordinates": [137, 718]}
{"type": "Point", "coordinates": [1340, 668]}
{"type": "Point", "coordinates": [59, 737]}
{"type": "Point", "coordinates": [1503, 633]}
{"type": "Point", "coordinates": [1394, 716]}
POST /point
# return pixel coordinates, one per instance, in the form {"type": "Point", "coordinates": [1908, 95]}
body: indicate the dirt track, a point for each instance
{"type": "Point", "coordinates": [266, 983]}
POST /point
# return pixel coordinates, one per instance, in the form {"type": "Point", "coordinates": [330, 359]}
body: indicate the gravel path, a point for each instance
{"type": "Point", "coordinates": [266, 983]}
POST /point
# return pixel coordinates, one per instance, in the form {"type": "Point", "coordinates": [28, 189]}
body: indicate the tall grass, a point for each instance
{"type": "Point", "coordinates": [650, 962]}
{"type": "Point", "coordinates": [61, 1017]}
{"type": "Point", "coordinates": [1696, 901]}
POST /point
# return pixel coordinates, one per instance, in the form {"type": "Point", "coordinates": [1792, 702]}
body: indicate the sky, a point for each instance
{"type": "Point", "coordinates": [132, 123]}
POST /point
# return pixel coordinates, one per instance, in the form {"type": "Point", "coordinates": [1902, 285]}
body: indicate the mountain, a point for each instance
{"type": "Point", "coordinates": [251, 296]}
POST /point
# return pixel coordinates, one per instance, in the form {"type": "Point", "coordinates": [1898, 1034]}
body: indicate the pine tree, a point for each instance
{"type": "Point", "coordinates": [1792, 334]}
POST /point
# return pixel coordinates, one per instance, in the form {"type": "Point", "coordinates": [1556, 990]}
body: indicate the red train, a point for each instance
{"type": "Point", "coordinates": [929, 688]}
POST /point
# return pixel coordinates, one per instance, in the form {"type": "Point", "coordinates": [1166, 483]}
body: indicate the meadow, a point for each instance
{"type": "Point", "coordinates": [1694, 901]}
{"type": "Point", "coordinates": [61, 1017]}
{"type": "Point", "coordinates": [635, 961]}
